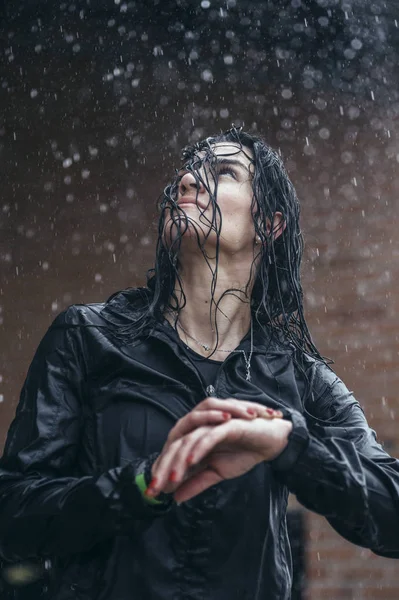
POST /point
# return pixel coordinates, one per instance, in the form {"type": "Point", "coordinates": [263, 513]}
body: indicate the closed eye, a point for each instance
{"type": "Point", "coordinates": [225, 170]}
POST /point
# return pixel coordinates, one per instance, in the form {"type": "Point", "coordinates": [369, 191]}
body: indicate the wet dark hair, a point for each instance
{"type": "Point", "coordinates": [277, 297]}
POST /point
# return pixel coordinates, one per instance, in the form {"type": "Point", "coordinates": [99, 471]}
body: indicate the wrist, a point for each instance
{"type": "Point", "coordinates": [284, 429]}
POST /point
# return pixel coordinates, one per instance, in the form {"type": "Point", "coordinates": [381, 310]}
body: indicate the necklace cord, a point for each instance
{"type": "Point", "coordinates": [207, 348]}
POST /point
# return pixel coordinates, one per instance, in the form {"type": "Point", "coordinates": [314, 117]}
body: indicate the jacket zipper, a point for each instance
{"type": "Point", "coordinates": [210, 391]}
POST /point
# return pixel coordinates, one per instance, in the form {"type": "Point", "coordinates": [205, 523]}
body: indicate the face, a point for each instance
{"type": "Point", "coordinates": [222, 177]}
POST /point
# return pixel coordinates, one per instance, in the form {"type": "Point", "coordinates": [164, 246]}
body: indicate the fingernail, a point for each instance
{"type": "Point", "coordinates": [251, 411]}
{"type": "Point", "coordinates": [270, 411]}
{"type": "Point", "coordinates": [226, 416]}
{"type": "Point", "coordinates": [153, 483]}
{"type": "Point", "coordinates": [190, 459]}
{"type": "Point", "coordinates": [278, 414]}
{"type": "Point", "coordinates": [173, 476]}
{"type": "Point", "coordinates": [149, 492]}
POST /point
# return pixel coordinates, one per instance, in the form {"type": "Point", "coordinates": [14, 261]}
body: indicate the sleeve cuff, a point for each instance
{"type": "Point", "coordinates": [298, 441]}
{"type": "Point", "coordinates": [143, 479]}
{"type": "Point", "coordinates": [123, 490]}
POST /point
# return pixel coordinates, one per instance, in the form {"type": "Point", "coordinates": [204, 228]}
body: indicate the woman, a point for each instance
{"type": "Point", "coordinates": [158, 434]}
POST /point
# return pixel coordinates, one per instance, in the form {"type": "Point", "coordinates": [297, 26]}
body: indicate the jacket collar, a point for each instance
{"type": "Point", "coordinates": [123, 308]}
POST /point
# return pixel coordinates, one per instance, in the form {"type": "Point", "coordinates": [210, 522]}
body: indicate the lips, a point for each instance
{"type": "Point", "coordinates": [190, 200]}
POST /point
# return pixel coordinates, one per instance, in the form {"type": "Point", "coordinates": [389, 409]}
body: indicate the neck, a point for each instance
{"type": "Point", "coordinates": [199, 317]}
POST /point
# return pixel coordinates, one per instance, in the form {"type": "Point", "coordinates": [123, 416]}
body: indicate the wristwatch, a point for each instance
{"type": "Point", "coordinates": [143, 479]}
{"type": "Point", "coordinates": [298, 441]}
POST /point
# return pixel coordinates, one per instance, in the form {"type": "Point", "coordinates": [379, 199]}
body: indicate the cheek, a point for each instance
{"type": "Point", "coordinates": [236, 211]}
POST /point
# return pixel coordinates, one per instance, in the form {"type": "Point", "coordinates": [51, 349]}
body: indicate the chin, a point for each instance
{"type": "Point", "coordinates": [184, 227]}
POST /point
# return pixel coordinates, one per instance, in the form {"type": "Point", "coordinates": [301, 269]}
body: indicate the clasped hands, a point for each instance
{"type": "Point", "coordinates": [219, 439]}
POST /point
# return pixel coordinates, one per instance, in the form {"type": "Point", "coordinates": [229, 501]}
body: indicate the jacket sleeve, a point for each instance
{"type": "Point", "coordinates": [343, 473]}
{"type": "Point", "coordinates": [45, 509]}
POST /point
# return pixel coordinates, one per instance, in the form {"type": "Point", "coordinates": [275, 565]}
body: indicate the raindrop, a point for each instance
{"type": "Point", "coordinates": [356, 44]}
{"type": "Point", "coordinates": [324, 133]}
{"type": "Point", "coordinates": [320, 104]}
{"type": "Point", "coordinates": [349, 53]}
{"type": "Point", "coordinates": [347, 157]}
{"type": "Point", "coordinates": [313, 120]}
{"type": "Point", "coordinates": [286, 93]}
{"type": "Point", "coordinates": [207, 75]}
{"type": "Point", "coordinates": [323, 21]}
{"type": "Point", "coordinates": [353, 112]}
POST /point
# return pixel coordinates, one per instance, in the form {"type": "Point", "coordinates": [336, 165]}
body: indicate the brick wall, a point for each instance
{"type": "Point", "coordinates": [68, 236]}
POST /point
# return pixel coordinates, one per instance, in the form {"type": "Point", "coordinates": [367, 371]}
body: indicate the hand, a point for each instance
{"type": "Point", "coordinates": [210, 454]}
{"type": "Point", "coordinates": [210, 412]}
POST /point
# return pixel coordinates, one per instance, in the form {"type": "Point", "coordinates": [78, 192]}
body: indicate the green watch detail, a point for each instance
{"type": "Point", "coordinates": [141, 484]}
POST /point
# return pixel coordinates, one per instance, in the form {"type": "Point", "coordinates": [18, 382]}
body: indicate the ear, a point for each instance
{"type": "Point", "coordinates": [278, 225]}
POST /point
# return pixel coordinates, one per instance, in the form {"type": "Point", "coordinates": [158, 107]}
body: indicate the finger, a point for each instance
{"type": "Point", "coordinates": [195, 419]}
{"type": "Point", "coordinates": [164, 476]}
{"type": "Point", "coordinates": [241, 409]}
{"type": "Point", "coordinates": [180, 466]}
{"type": "Point", "coordinates": [207, 442]}
{"type": "Point", "coordinates": [190, 422]}
{"type": "Point", "coordinates": [253, 409]}
{"type": "Point", "coordinates": [197, 484]}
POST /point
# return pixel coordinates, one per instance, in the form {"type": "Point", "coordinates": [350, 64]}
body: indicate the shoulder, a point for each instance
{"type": "Point", "coordinates": [78, 315]}
{"type": "Point", "coordinates": [121, 308]}
{"type": "Point", "coordinates": [328, 399]}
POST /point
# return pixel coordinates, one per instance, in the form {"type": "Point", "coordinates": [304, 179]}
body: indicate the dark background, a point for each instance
{"type": "Point", "coordinates": [96, 100]}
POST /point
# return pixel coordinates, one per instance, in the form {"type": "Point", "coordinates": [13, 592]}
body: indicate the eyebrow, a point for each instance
{"type": "Point", "coordinates": [232, 161]}
{"type": "Point", "coordinates": [228, 161]}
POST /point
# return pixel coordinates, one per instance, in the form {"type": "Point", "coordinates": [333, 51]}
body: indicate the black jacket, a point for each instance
{"type": "Point", "coordinates": [92, 409]}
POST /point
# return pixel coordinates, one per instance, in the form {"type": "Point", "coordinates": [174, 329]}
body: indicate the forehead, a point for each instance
{"type": "Point", "coordinates": [230, 150]}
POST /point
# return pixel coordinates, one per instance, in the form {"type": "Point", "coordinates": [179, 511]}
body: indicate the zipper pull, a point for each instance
{"type": "Point", "coordinates": [210, 390]}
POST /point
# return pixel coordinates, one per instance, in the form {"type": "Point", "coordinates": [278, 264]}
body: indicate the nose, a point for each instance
{"type": "Point", "coordinates": [189, 181]}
